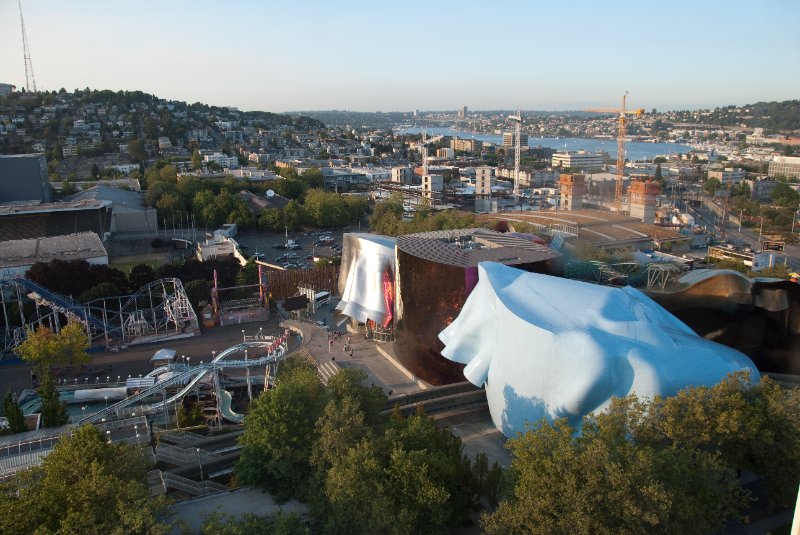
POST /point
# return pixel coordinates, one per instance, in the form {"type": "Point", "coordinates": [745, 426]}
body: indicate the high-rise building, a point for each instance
{"type": "Point", "coordinates": [462, 112]}
{"type": "Point", "coordinates": [510, 142]}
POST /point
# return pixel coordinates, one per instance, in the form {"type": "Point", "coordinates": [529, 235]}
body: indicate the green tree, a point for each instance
{"type": "Point", "coordinates": [16, 420]}
{"type": "Point", "coordinates": [313, 177]}
{"type": "Point", "coordinates": [198, 291]}
{"type": "Point", "coordinates": [197, 160]}
{"type": "Point", "coordinates": [387, 216]}
{"type": "Point", "coordinates": [190, 416]}
{"type": "Point", "coordinates": [755, 427]}
{"type": "Point", "coordinates": [783, 195]}
{"type": "Point", "coordinates": [280, 523]}
{"type": "Point", "coordinates": [271, 219]}
{"type": "Point", "coordinates": [54, 411]}
{"type": "Point", "coordinates": [279, 432]}
{"type": "Point", "coordinates": [104, 289]}
{"type": "Point", "coordinates": [711, 186]}
{"type": "Point", "coordinates": [44, 348]}
{"type": "Point", "coordinates": [293, 214]}
{"type": "Point", "coordinates": [84, 486]}
{"type": "Point", "coordinates": [602, 483]}
{"type": "Point", "coordinates": [136, 150]}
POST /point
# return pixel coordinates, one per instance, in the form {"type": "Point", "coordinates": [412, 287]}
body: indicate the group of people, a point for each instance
{"type": "Point", "coordinates": [347, 348]}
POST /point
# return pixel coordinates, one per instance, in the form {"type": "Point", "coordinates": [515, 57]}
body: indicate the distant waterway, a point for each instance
{"type": "Point", "coordinates": [634, 150]}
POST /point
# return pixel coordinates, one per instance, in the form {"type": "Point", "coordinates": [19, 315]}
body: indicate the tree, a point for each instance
{"type": "Point", "coordinates": [136, 150]}
{"type": "Point", "coordinates": [190, 416]}
{"type": "Point", "coordinates": [141, 275]}
{"type": "Point", "coordinates": [602, 483]}
{"type": "Point", "coordinates": [104, 289]}
{"type": "Point", "coordinates": [293, 215]}
{"type": "Point", "coordinates": [271, 219]}
{"type": "Point", "coordinates": [198, 291]}
{"type": "Point", "coordinates": [279, 432]}
{"type": "Point", "coordinates": [197, 160]}
{"type": "Point", "coordinates": [751, 426]}
{"type": "Point", "coordinates": [95, 171]}
{"type": "Point", "coordinates": [280, 523]}
{"type": "Point", "coordinates": [313, 177]}
{"type": "Point", "coordinates": [44, 348]}
{"type": "Point", "coordinates": [783, 195]}
{"type": "Point", "coordinates": [16, 420]}
{"type": "Point", "coordinates": [54, 411]}
{"type": "Point", "coordinates": [84, 486]}
{"type": "Point", "coordinates": [711, 186]}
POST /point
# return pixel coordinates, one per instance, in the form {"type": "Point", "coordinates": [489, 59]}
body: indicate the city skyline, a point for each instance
{"type": "Point", "coordinates": [364, 57]}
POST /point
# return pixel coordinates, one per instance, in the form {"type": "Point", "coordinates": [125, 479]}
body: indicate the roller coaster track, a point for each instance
{"type": "Point", "coordinates": [61, 303]}
{"type": "Point", "coordinates": [192, 374]}
{"type": "Point", "coordinates": [159, 307]}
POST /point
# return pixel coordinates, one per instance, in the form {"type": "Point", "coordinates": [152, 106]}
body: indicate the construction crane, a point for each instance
{"type": "Point", "coordinates": [517, 119]}
{"type": "Point", "coordinates": [30, 80]}
{"type": "Point", "coordinates": [621, 133]}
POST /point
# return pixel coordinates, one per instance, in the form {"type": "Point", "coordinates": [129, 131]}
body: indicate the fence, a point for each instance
{"type": "Point", "coordinates": [189, 486]}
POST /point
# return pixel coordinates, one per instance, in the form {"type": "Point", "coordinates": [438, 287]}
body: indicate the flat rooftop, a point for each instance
{"type": "Point", "coordinates": [596, 227]}
{"type": "Point", "coordinates": [468, 247]}
{"type": "Point", "coordinates": [71, 247]}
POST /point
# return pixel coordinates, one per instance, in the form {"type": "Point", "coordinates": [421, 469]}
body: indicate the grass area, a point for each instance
{"type": "Point", "coordinates": [125, 263]}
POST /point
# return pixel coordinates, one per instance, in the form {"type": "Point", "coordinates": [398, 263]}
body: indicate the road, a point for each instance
{"type": "Point", "coordinates": [708, 215]}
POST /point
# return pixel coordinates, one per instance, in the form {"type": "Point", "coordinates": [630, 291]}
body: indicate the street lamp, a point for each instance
{"type": "Point", "coordinates": [200, 464]}
{"type": "Point", "coordinates": [243, 338]}
{"type": "Point", "coordinates": [108, 435]}
{"type": "Point", "coordinates": [247, 372]}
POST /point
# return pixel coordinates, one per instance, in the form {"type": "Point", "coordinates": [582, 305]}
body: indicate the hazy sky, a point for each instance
{"type": "Point", "coordinates": [389, 55]}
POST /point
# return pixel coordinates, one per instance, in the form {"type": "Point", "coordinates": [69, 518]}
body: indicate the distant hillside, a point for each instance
{"type": "Point", "coordinates": [781, 116]}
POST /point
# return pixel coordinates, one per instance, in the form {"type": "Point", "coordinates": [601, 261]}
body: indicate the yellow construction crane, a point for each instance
{"type": "Point", "coordinates": [621, 133]}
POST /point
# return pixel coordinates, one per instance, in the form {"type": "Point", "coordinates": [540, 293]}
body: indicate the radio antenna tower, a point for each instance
{"type": "Point", "coordinates": [517, 150]}
{"type": "Point", "coordinates": [30, 79]}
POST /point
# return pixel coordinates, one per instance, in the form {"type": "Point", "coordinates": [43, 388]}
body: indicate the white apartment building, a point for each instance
{"type": "Point", "coordinates": [222, 160]}
{"type": "Point", "coordinates": [578, 159]}
{"type": "Point", "coordinates": [788, 166]}
{"type": "Point", "coordinates": [729, 175]}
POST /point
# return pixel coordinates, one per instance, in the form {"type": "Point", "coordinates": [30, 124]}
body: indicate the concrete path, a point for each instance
{"type": "Point", "coordinates": [189, 513]}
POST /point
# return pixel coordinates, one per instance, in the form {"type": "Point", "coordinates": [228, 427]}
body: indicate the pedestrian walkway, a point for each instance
{"type": "Point", "coordinates": [365, 355]}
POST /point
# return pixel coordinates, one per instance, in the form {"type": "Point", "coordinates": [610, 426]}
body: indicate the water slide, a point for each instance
{"type": "Point", "coordinates": [194, 374]}
{"type": "Point", "coordinates": [225, 407]}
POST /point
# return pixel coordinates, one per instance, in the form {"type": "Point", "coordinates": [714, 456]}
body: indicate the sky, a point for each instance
{"type": "Point", "coordinates": [405, 55]}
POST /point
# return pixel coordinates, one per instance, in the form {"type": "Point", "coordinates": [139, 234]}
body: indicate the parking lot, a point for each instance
{"type": "Point", "coordinates": [271, 247]}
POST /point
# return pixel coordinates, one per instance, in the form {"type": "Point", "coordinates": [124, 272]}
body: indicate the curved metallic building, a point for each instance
{"type": "Point", "coordinates": [759, 317]}
{"type": "Point", "coordinates": [436, 271]}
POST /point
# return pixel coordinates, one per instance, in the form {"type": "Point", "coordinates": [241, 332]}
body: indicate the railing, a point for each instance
{"type": "Point", "coordinates": [184, 456]}
{"type": "Point", "coordinates": [195, 488]}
